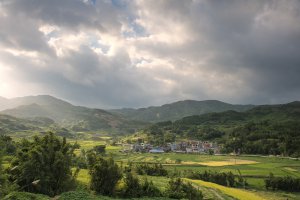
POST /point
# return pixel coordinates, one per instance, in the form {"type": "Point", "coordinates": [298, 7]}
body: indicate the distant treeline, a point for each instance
{"type": "Point", "coordinates": [221, 178]}
{"type": "Point", "coordinates": [267, 137]}
{"type": "Point", "coordinates": [151, 170]}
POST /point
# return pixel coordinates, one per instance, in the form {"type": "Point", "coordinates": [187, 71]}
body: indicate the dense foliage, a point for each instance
{"type": "Point", "coordinates": [7, 145]}
{"type": "Point", "coordinates": [177, 189]}
{"type": "Point", "coordinates": [286, 183]}
{"type": "Point", "coordinates": [105, 174]}
{"type": "Point", "coordinates": [43, 165]}
{"type": "Point", "coordinates": [265, 138]}
{"type": "Point", "coordinates": [262, 130]}
{"type": "Point", "coordinates": [151, 169]}
{"type": "Point", "coordinates": [134, 188]}
{"type": "Point", "coordinates": [221, 178]}
{"type": "Point", "coordinates": [2, 179]}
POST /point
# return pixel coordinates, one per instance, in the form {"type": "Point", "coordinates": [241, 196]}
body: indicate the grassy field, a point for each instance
{"type": "Point", "coordinates": [255, 172]}
{"type": "Point", "coordinates": [250, 166]}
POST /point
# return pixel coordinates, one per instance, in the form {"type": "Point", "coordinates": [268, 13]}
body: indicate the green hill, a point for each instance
{"type": "Point", "coordinates": [178, 110]}
{"type": "Point", "coordinates": [268, 129]}
{"type": "Point", "coordinates": [10, 124]}
{"type": "Point", "coordinates": [276, 113]}
{"type": "Point", "coordinates": [77, 118]}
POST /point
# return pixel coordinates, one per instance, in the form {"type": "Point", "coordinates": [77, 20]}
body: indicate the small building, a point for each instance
{"type": "Point", "coordinates": [156, 150]}
{"type": "Point", "coordinates": [127, 147]}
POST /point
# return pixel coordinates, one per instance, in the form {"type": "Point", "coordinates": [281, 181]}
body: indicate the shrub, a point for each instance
{"type": "Point", "coordinates": [132, 186]}
{"type": "Point", "coordinates": [150, 190]}
{"type": "Point", "coordinates": [286, 183]}
{"type": "Point", "coordinates": [105, 174]}
{"type": "Point", "coordinates": [151, 170]}
{"type": "Point", "coordinates": [221, 178]}
{"type": "Point", "coordinates": [177, 189]}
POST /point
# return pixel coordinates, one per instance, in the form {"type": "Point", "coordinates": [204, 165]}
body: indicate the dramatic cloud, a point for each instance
{"type": "Point", "coordinates": [125, 53]}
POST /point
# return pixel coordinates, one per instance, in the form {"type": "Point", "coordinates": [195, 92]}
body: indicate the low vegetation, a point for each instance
{"type": "Point", "coordinates": [286, 183]}
{"type": "Point", "coordinates": [221, 178]}
{"type": "Point", "coordinates": [151, 169]}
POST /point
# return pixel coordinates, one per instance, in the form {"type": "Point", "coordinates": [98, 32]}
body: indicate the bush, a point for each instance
{"type": "Point", "coordinates": [150, 190]}
{"type": "Point", "coordinates": [105, 174]}
{"type": "Point", "coordinates": [133, 188]}
{"type": "Point", "coordinates": [151, 170]}
{"type": "Point", "coordinates": [226, 179]}
{"type": "Point", "coordinates": [286, 183]}
{"type": "Point", "coordinates": [177, 189]}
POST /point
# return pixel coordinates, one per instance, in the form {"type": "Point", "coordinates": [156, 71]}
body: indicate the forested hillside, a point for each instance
{"type": "Point", "coordinates": [262, 130]}
{"type": "Point", "coordinates": [178, 110]}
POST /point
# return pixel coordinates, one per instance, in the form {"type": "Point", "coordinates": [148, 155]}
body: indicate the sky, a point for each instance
{"type": "Point", "coordinates": [137, 53]}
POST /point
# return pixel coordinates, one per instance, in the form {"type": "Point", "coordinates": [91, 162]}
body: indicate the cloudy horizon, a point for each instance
{"type": "Point", "coordinates": [138, 53]}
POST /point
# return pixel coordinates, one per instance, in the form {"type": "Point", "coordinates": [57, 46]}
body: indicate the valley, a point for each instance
{"type": "Point", "coordinates": [250, 145]}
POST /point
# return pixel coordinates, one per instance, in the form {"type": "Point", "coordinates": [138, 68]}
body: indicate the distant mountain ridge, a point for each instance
{"type": "Point", "coordinates": [77, 118]}
{"type": "Point", "coordinates": [277, 113]}
{"type": "Point", "coordinates": [27, 100]}
{"type": "Point", "coordinates": [178, 110]}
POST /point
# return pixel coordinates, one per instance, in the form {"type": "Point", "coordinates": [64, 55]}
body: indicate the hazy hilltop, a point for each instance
{"type": "Point", "coordinates": [77, 118]}
{"type": "Point", "coordinates": [27, 100]}
{"type": "Point", "coordinates": [178, 110]}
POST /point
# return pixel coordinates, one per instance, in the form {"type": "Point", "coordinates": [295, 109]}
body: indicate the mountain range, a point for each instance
{"type": "Point", "coordinates": [79, 118]}
{"type": "Point", "coordinates": [178, 110]}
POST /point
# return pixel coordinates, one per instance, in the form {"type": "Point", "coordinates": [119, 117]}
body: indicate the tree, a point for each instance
{"type": "Point", "coordinates": [105, 174]}
{"type": "Point", "coordinates": [150, 190]}
{"type": "Point", "coordinates": [2, 178]}
{"type": "Point", "coordinates": [44, 165]}
{"type": "Point", "coordinates": [177, 189]}
{"type": "Point", "coordinates": [132, 186]}
{"type": "Point", "coordinates": [100, 149]}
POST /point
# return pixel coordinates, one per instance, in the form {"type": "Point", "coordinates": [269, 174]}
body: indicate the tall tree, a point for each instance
{"type": "Point", "coordinates": [44, 165]}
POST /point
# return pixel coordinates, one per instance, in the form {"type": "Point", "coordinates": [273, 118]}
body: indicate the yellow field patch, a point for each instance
{"type": "Point", "coordinates": [226, 162]}
{"type": "Point", "coordinates": [83, 176]}
{"type": "Point", "coordinates": [168, 160]}
{"type": "Point", "coordinates": [290, 169]}
{"type": "Point", "coordinates": [234, 192]}
{"type": "Point", "coordinates": [148, 159]}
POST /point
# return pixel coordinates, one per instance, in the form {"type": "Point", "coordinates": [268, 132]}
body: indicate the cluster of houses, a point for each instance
{"type": "Point", "coordinates": [191, 146]}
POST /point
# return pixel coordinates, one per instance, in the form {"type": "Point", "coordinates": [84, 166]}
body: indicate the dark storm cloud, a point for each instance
{"type": "Point", "coordinates": [139, 53]}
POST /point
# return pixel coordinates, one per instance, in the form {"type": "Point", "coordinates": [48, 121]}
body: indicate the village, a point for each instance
{"type": "Point", "coordinates": [191, 146]}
